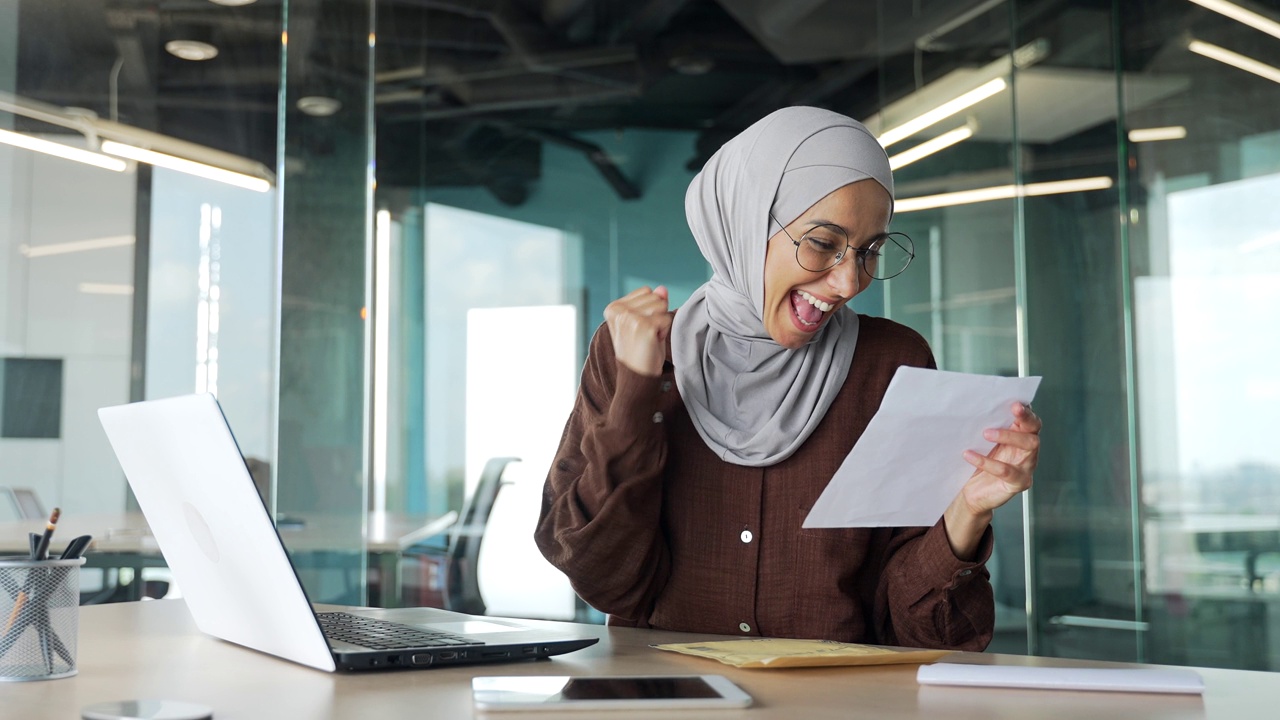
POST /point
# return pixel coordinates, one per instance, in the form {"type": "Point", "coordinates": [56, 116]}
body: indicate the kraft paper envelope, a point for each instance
{"type": "Point", "coordinates": [781, 653]}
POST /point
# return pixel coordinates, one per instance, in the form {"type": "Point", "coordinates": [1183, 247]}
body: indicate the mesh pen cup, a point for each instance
{"type": "Point", "coordinates": [39, 618]}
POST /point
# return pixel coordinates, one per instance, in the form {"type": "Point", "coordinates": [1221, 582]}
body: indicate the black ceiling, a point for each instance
{"type": "Point", "coordinates": [467, 91]}
{"type": "Point", "coordinates": [466, 85]}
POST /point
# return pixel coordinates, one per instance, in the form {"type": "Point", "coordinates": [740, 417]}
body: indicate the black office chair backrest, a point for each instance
{"type": "Point", "coordinates": [462, 585]}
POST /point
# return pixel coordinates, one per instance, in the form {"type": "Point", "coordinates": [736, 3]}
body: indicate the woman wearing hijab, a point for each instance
{"type": "Point", "coordinates": [700, 439]}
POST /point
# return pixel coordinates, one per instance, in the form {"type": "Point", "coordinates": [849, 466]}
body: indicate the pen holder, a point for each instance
{"type": "Point", "coordinates": [39, 618]}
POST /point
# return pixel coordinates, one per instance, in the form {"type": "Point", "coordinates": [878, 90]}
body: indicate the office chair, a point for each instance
{"type": "Point", "coordinates": [462, 554]}
{"type": "Point", "coordinates": [462, 579]}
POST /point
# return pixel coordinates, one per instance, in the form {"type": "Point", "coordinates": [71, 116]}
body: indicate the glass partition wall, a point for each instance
{"type": "Point", "coordinates": [1084, 581]}
{"type": "Point", "coordinates": [340, 545]}
{"type": "Point", "coordinates": [456, 190]}
{"type": "Point", "coordinates": [149, 248]}
{"type": "Point", "coordinates": [1203, 233]}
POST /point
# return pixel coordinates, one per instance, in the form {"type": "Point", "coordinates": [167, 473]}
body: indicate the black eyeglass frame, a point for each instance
{"type": "Point", "coordinates": [861, 253]}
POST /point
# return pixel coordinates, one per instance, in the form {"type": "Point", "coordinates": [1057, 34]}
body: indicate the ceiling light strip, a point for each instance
{"type": "Point", "coordinates": [76, 246]}
{"type": "Point", "coordinates": [942, 112]}
{"type": "Point", "coordinates": [1000, 192]}
{"type": "Point", "coordinates": [145, 146]}
{"type": "Point", "coordinates": [1234, 59]}
{"type": "Point", "coordinates": [929, 147]}
{"type": "Point", "coordinates": [90, 288]}
{"type": "Point", "coordinates": [1156, 134]}
{"type": "Point", "coordinates": [65, 152]}
{"type": "Point", "coordinates": [1065, 186]}
{"type": "Point", "coordinates": [182, 165]}
{"type": "Point", "coordinates": [1239, 14]}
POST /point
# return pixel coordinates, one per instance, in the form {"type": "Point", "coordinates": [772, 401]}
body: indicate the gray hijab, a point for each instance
{"type": "Point", "coordinates": [753, 401]}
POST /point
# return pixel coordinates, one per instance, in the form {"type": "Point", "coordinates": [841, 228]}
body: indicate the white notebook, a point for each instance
{"type": "Point", "coordinates": [1157, 680]}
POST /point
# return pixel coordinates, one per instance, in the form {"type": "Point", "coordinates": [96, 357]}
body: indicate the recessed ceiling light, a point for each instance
{"type": "Point", "coordinates": [191, 49]}
{"type": "Point", "coordinates": [318, 105]}
{"type": "Point", "coordinates": [233, 3]}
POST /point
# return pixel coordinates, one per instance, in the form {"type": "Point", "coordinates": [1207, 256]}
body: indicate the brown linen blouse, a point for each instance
{"type": "Point", "coordinates": [655, 530]}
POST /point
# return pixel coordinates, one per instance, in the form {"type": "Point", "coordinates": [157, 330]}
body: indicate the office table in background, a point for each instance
{"type": "Point", "coordinates": [123, 540]}
{"type": "Point", "coordinates": [153, 650]}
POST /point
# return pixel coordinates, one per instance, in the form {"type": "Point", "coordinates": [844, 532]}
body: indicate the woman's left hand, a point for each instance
{"type": "Point", "coordinates": [1001, 474]}
{"type": "Point", "coordinates": [1007, 469]}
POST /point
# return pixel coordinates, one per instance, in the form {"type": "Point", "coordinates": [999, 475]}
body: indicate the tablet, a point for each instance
{"type": "Point", "coordinates": [560, 692]}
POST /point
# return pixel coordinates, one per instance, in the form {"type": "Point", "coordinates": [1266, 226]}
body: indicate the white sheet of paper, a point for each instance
{"type": "Point", "coordinates": [909, 464]}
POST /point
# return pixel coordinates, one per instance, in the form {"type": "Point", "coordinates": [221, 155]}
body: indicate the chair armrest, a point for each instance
{"type": "Point", "coordinates": [436, 527]}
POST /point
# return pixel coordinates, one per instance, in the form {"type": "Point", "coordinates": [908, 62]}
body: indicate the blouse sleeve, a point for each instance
{"type": "Point", "coordinates": [928, 597]}
{"type": "Point", "coordinates": [600, 521]}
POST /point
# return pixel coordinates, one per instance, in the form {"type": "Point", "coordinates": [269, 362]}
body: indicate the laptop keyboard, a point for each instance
{"type": "Point", "coordinates": [384, 635]}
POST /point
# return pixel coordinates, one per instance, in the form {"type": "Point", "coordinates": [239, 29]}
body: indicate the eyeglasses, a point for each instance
{"type": "Point", "coordinates": [825, 246]}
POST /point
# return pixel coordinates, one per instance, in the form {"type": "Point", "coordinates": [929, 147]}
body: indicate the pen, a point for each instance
{"type": "Point", "coordinates": [76, 547]}
{"type": "Point", "coordinates": [42, 550]}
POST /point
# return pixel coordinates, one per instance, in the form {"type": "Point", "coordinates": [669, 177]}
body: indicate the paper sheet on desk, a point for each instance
{"type": "Point", "coordinates": [778, 653]}
{"type": "Point", "coordinates": [909, 463]}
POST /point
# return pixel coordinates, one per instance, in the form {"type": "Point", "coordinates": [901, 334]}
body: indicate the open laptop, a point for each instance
{"type": "Point", "coordinates": [195, 490]}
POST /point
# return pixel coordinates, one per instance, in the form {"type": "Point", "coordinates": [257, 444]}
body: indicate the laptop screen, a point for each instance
{"type": "Point", "coordinates": [191, 482]}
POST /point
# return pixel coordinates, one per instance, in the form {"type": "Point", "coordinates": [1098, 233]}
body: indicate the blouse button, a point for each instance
{"type": "Point", "coordinates": [746, 536]}
{"type": "Point", "coordinates": [666, 385]}
{"type": "Point", "coordinates": [965, 572]}
{"type": "Point", "coordinates": [744, 627]}
{"type": "Point", "coordinates": [657, 417]}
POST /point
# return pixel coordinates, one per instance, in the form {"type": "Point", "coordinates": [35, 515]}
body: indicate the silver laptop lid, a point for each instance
{"type": "Point", "coordinates": [217, 537]}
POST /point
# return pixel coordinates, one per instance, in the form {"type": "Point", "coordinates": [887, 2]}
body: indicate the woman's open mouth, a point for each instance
{"type": "Point", "coordinates": [808, 310]}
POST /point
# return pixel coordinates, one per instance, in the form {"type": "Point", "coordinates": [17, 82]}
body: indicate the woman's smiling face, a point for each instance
{"type": "Point", "coordinates": [797, 301]}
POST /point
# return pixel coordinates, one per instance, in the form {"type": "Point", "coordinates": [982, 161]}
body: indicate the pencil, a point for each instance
{"type": "Point", "coordinates": [17, 610]}
{"type": "Point", "coordinates": [42, 550]}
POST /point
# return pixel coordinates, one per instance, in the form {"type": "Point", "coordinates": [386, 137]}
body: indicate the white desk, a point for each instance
{"type": "Point", "coordinates": [152, 650]}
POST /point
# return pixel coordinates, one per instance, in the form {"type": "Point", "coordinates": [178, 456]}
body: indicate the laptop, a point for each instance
{"type": "Point", "coordinates": [195, 490]}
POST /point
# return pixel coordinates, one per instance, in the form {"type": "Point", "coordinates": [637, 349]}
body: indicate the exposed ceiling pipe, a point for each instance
{"type": "Point", "coordinates": [529, 43]}
{"type": "Point", "coordinates": [522, 95]}
{"type": "Point", "coordinates": [506, 67]}
{"type": "Point", "coordinates": [596, 155]}
{"type": "Point", "coordinates": [929, 41]}
{"type": "Point", "coordinates": [646, 20]}
{"type": "Point", "coordinates": [525, 36]}
{"type": "Point", "coordinates": [780, 18]}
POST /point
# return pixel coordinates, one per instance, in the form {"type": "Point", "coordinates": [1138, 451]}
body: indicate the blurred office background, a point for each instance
{"type": "Point", "coordinates": [433, 201]}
